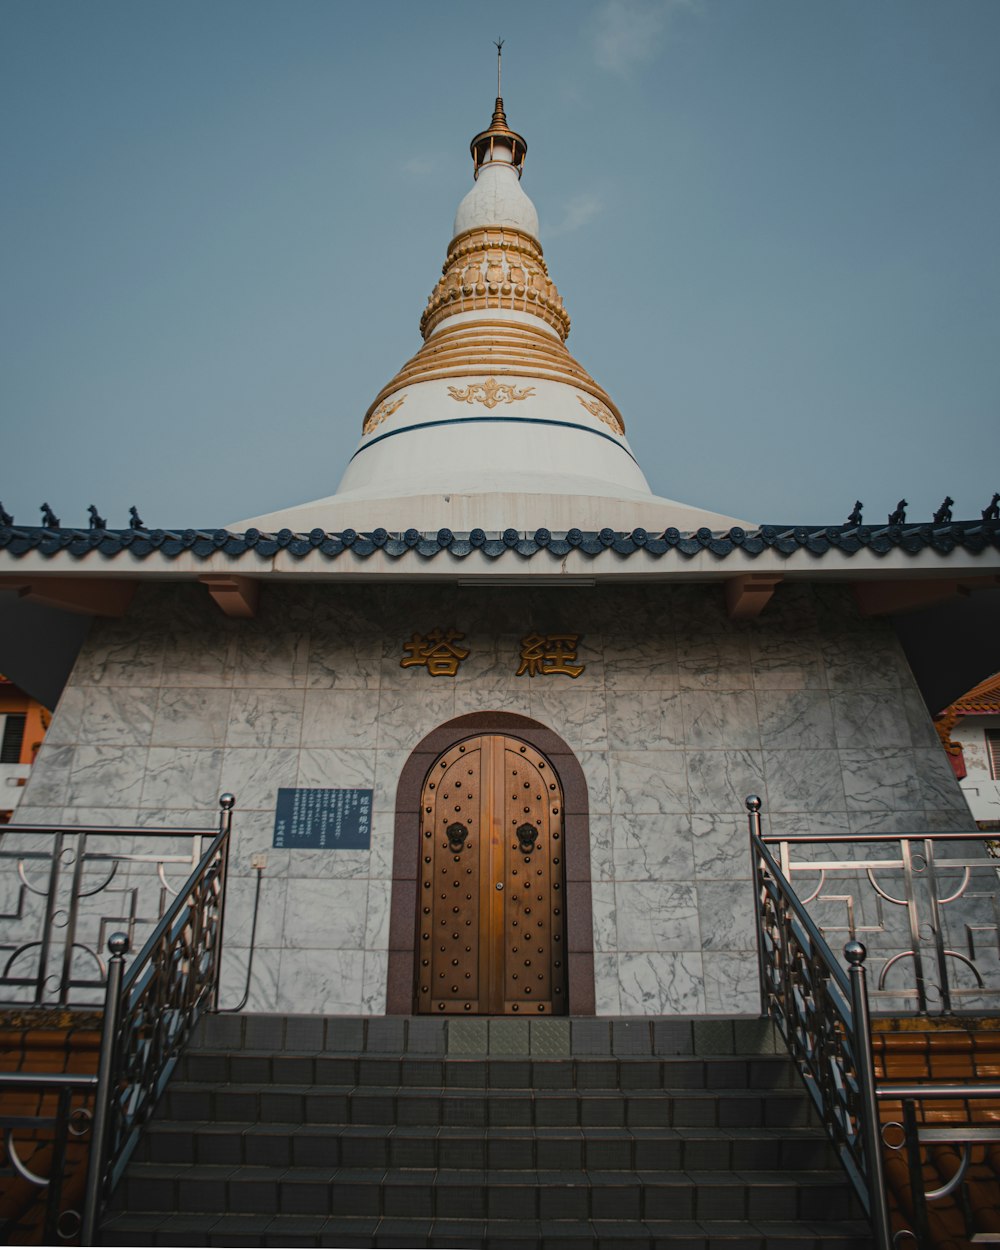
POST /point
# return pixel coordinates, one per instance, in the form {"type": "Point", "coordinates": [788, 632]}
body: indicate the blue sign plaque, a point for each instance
{"type": "Point", "coordinates": [332, 820]}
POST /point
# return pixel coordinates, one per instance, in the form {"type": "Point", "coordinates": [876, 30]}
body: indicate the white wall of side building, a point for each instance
{"type": "Point", "coordinates": [982, 792]}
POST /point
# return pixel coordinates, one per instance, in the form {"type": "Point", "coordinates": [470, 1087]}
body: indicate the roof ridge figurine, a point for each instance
{"type": "Point", "coordinates": [899, 516]}
{"type": "Point", "coordinates": [943, 514]}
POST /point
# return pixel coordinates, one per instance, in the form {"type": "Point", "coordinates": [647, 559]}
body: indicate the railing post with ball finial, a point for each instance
{"type": "Point", "coordinates": [753, 805]}
{"type": "Point", "coordinates": [878, 1212]}
{"type": "Point", "coordinates": [227, 802]}
{"type": "Point", "coordinates": [93, 1195]}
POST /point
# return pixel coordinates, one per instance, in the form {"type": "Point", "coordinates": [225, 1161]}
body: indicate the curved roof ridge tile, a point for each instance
{"type": "Point", "coordinates": [973, 536]}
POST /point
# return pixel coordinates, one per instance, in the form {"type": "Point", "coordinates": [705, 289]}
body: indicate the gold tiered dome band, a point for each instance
{"type": "Point", "coordinates": [495, 267]}
{"type": "Point", "coordinates": [499, 350]}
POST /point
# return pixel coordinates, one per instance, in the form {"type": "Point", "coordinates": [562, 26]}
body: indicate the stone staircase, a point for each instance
{"type": "Point", "coordinates": [503, 1134]}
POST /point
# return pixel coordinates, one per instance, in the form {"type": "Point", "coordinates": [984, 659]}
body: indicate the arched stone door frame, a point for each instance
{"type": "Point", "coordinates": [400, 990]}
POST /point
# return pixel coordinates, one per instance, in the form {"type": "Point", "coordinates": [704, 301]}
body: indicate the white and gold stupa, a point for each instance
{"type": "Point", "coordinates": [493, 424]}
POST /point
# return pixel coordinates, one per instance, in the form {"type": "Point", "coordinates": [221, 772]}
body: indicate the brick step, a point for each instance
{"type": "Point", "coordinates": [210, 1229]}
{"type": "Point", "coordinates": [427, 1193]}
{"type": "Point", "coordinates": [487, 1108]}
{"type": "Point", "coordinates": [638, 1072]}
{"type": "Point", "coordinates": [386, 1146]}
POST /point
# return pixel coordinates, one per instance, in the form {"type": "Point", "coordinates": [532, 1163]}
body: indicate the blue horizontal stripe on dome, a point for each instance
{"type": "Point", "coordinates": [569, 425]}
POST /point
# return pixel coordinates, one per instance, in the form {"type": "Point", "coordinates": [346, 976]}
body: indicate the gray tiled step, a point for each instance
{"type": "Point", "coordinates": [310, 1104]}
{"type": "Point", "coordinates": [562, 1149]}
{"type": "Point", "coordinates": [317, 1231]}
{"type": "Point", "coordinates": [788, 1195]}
{"type": "Point", "coordinates": [596, 1134]}
{"type": "Point", "coordinates": [587, 1072]}
{"type": "Point", "coordinates": [399, 1035]}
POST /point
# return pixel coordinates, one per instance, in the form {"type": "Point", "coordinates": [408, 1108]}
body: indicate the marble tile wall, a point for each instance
{"type": "Point", "coordinates": [679, 714]}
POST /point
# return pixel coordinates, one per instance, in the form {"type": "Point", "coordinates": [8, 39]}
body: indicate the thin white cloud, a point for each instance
{"type": "Point", "coordinates": [579, 211]}
{"type": "Point", "coordinates": [629, 33]}
{"type": "Point", "coordinates": [420, 167]}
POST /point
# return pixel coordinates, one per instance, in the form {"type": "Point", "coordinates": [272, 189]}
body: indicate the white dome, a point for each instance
{"type": "Point", "coordinates": [471, 435]}
{"type": "Point", "coordinates": [496, 199]}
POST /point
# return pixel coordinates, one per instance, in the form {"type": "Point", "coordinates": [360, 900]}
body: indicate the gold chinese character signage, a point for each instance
{"type": "Point", "coordinates": [542, 655]}
{"type": "Point", "coordinates": [545, 655]}
{"type": "Point", "coordinates": [436, 651]}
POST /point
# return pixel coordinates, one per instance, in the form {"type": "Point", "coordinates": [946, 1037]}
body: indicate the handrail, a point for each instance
{"type": "Point", "coordinates": [823, 1015]}
{"type": "Point", "coordinates": [889, 1093]}
{"type": "Point", "coordinates": [47, 1080]}
{"type": "Point", "coordinates": [938, 835]}
{"type": "Point", "coordinates": [178, 831]}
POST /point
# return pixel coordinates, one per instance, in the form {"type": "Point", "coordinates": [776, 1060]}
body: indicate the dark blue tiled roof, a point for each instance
{"type": "Point", "coordinates": [971, 536]}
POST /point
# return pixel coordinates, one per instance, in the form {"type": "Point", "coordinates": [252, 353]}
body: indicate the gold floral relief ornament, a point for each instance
{"type": "Point", "coordinates": [489, 393]}
{"type": "Point", "coordinates": [603, 413]}
{"type": "Point", "coordinates": [382, 413]}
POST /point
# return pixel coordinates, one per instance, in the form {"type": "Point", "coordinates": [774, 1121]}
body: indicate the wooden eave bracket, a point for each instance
{"type": "Point", "coordinates": [903, 595]}
{"type": "Point", "coordinates": [87, 596]}
{"type": "Point", "coordinates": [749, 594]}
{"type": "Point", "coordinates": [235, 595]}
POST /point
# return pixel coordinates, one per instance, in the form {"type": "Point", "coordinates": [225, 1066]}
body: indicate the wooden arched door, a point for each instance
{"type": "Point", "coordinates": [491, 925]}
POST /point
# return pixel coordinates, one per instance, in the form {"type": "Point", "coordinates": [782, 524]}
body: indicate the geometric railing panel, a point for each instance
{"type": "Point", "coordinates": [64, 891]}
{"type": "Point", "coordinates": [924, 904]}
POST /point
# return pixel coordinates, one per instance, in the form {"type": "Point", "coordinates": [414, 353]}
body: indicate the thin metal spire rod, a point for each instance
{"type": "Point", "coordinates": [498, 44]}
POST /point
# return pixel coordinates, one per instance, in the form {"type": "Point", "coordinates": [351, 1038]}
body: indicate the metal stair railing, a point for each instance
{"type": "Point", "coordinates": [823, 1012]}
{"type": "Point", "coordinates": [57, 1135]}
{"type": "Point", "coordinates": [913, 1135]}
{"type": "Point", "coordinates": [149, 1013]}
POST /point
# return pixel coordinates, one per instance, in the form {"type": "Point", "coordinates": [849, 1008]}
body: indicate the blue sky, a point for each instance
{"type": "Point", "coordinates": [775, 224]}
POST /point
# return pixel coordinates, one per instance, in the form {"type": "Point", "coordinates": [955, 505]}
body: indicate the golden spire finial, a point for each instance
{"type": "Point", "coordinates": [482, 144]}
